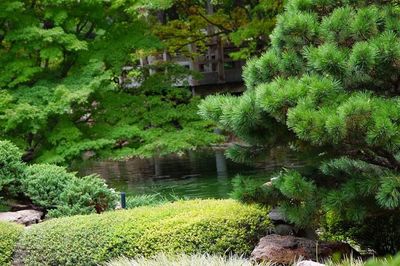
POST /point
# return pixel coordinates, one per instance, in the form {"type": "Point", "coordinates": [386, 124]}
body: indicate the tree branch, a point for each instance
{"type": "Point", "coordinates": [199, 39]}
{"type": "Point", "coordinates": [213, 23]}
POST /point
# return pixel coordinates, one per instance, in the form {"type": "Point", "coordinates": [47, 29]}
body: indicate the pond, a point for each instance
{"type": "Point", "coordinates": [200, 174]}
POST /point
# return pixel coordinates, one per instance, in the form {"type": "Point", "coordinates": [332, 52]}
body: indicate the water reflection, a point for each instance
{"type": "Point", "coordinates": [205, 174]}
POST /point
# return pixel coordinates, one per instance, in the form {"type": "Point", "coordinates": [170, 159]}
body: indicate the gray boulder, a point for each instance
{"type": "Point", "coordinates": [277, 216]}
{"type": "Point", "coordinates": [25, 217]}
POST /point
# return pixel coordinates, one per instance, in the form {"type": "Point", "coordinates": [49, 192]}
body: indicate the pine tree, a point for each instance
{"type": "Point", "coordinates": [330, 82]}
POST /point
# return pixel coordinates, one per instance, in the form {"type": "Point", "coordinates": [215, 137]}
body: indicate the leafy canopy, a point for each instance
{"type": "Point", "coordinates": [58, 98]}
{"type": "Point", "coordinates": [245, 24]}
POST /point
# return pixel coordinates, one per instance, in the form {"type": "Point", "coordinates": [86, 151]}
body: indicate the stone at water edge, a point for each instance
{"type": "Point", "coordinates": [284, 229]}
{"type": "Point", "coordinates": [288, 249]}
{"type": "Point", "coordinates": [277, 216]}
{"type": "Point", "coordinates": [25, 217]}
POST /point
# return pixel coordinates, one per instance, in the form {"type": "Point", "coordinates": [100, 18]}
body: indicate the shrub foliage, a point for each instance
{"type": "Point", "coordinates": [45, 183]}
{"type": "Point", "coordinates": [51, 186]}
{"type": "Point", "coordinates": [11, 168]}
{"type": "Point", "coordinates": [206, 226]}
{"type": "Point", "coordinates": [9, 234]}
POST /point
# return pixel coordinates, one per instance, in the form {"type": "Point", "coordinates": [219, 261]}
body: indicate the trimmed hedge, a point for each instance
{"type": "Point", "coordinates": [9, 234]}
{"type": "Point", "coordinates": [195, 226]}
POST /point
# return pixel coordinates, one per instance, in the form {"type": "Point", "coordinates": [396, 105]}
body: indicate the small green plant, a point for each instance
{"type": "Point", "coordinates": [249, 190]}
{"type": "Point", "coordinates": [4, 206]}
{"type": "Point", "coordinates": [147, 200]}
{"type": "Point", "coordinates": [9, 234]}
{"type": "Point", "coordinates": [195, 226]}
{"type": "Point", "coordinates": [391, 261]}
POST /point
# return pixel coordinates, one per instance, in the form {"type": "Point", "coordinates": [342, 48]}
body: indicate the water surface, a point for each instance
{"type": "Point", "coordinates": [203, 174]}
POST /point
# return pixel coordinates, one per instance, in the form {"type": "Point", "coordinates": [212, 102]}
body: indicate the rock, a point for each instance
{"type": "Point", "coordinates": [284, 230]}
{"type": "Point", "coordinates": [309, 263]}
{"type": "Point", "coordinates": [25, 217]}
{"type": "Point", "coordinates": [276, 216]}
{"type": "Point", "coordinates": [287, 249]}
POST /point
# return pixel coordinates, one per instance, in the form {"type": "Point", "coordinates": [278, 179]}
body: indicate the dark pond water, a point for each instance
{"type": "Point", "coordinates": [203, 174]}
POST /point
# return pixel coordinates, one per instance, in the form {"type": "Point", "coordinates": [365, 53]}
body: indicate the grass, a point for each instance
{"type": "Point", "coordinates": [185, 260]}
{"type": "Point", "coordinates": [147, 200]}
{"type": "Point", "coordinates": [219, 260]}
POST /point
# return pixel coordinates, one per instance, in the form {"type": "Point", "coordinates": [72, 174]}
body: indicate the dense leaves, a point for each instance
{"type": "Point", "coordinates": [331, 78]}
{"type": "Point", "coordinates": [245, 24]}
{"type": "Point", "coordinates": [59, 61]}
{"type": "Point", "coordinates": [11, 168]}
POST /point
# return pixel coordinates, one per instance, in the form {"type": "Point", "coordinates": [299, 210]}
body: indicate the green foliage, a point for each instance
{"type": "Point", "coordinates": [65, 194]}
{"type": "Point", "coordinates": [330, 82]}
{"type": "Point", "coordinates": [11, 168]}
{"type": "Point", "coordinates": [245, 24]}
{"type": "Point", "coordinates": [59, 61]}
{"type": "Point", "coordinates": [44, 184]}
{"type": "Point", "coordinates": [206, 226]}
{"type": "Point", "coordinates": [4, 207]}
{"type": "Point", "coordinates": [85, 195]}
{"type": "Point", "coordinates": [392, 261]}
{"type": "Point", "coordinates": [381, 232]}
{"type": "Point", "coordinates": [146, 200]}
{"type": "Point", "coordinates": [52, 187]}
{"type": "Point", "coordinates": [9, 234]}
{"type": "Point", "coordinates": [248, 190]}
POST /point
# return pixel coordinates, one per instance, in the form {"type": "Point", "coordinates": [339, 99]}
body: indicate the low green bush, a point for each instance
{"type": "Point", "coordinates": [380, 233]}
{"type": "Point", "coordinates": [49, 186]}
{"type": "Point", "coordinates": [85, 195]}
{"type": "Point", "coordinates": [44, 183]}
{"type": "Point", "coordinates": [11, 168]}
{"type": "Point", "coordinates": [9, 234]}
{"type": "Point", "coordinates": [64, 194]}
{"type": "Point", "coordinates": [195, 226]}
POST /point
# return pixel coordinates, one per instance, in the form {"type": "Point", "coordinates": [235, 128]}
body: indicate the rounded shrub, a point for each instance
{"type": "Point", "coordinates": [64, 194]}
{"type": "Point", "coordinates": [9, 234]}
{"type": "Point", "coordinates": [44, 183]}
{"type": "Point", "coordinates": [195, 226]}
{"type": "Point", "coordinates": [89, 194]}
{"type": "Point", "coordinates": [11, 168]}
